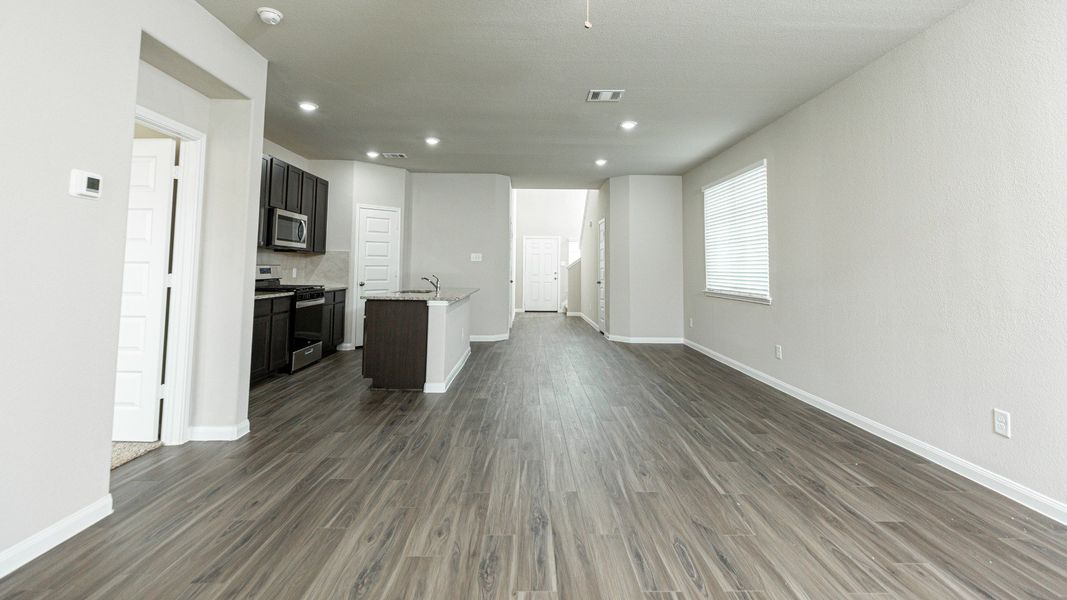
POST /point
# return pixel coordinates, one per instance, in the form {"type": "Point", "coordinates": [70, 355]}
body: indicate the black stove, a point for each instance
{"type": "Point", "coordinates": [305, 327]}
{"type": "Point", "coordinates": [301, 291]}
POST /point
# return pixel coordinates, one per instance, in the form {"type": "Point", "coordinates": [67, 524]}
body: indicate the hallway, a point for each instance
{"type": "Point", "coordinates": [558, 463]}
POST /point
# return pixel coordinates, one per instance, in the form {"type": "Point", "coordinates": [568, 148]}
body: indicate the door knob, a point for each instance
{"type": "Point", "coordinates": [362, 283]}
{"type": "Point", "coordinates": [600, 283]}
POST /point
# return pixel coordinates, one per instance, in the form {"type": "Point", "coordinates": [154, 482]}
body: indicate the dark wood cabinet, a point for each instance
{"type": "Point", "coordinates": [260, 366]}
{"type": "Point", "coordinates": [318, 227]}
{"type": "Point", "coordinates": [278, 171]}
{"type": "Point", "coordinates": [294, 181]}
{"type": "Point", "coordinates": [333, 321]}
{"type": "Point", "coordinates": [264, 200]}
{"type": "Point", "coordinates": [270, 336]}
{"type": "Point", "coordinates": [287, 187]}
{"type": "Point", "coordinates": [394, 344]}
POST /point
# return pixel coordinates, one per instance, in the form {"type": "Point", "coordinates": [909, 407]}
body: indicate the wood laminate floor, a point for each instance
{"type": "Point", "coordinates": [558, 466]}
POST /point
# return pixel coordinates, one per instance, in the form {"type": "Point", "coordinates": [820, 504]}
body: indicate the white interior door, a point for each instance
{"type": "Point", "coordinates": [377, 256]}
{"type": "Point", "coordinates": [601, 279]}
{"type": "Point", "coordinates": [540, 274]}
{"type": "Point", "coordinates": [138, 385]}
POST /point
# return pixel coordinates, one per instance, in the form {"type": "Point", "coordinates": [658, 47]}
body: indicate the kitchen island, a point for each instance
{"type": "Point", "coordinates": [415, 339]}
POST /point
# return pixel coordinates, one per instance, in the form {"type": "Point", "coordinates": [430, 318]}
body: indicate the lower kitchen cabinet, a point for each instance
{"type": "Point", "coordinates": [333, 321]}
{"type": "Point", "coordinates": [270, 336]}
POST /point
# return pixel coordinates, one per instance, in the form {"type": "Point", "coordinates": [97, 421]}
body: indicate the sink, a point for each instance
{"type": "Point", "coordinates": [415, 292]}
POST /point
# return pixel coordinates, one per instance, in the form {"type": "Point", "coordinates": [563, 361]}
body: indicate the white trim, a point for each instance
{"type": "Point", "coordinates": [520, 310]}
{"type": "Point", "coordinates": [643, 340]}
{"type": "Point", "coordinates": [350, 319]}
{"type": "Point", "coordinates": [442, 387]}
{"type": "Point", "coordinates": [222, 433]}
{"type": "Point", "coordinates": [591, 322]}
{"type": "Point", "coordinates": [55, 534]}
{"type": "Point", "coordinates": [188, 217]}
{"type": "Point", "coordinates": [498, 337]}
{"type": "Point", "coordinates": [346, 347]}
{"type": "Point", "coordinates": [1050, 507]}
{"type": "Point", "coordinates": [559, 283]}
{"type": "Point", "coordinates": [575, 314]}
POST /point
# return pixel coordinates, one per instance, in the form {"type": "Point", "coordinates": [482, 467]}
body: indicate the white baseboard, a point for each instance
{"type": "Point", "coordinates": [643, 340]}
{"type": "Point", "coordinates": [346, 347]}
{"type": "Point", "coordinates": [520, 310]}
{"type": "Point", "coordinates": [442, 387]}
{"type": "Point", "coordinates": [499, 337]}
{"type": "Point", "coordinates": [1050, 507]}
{"type": "Point", "coordinates": [575, 314]}
{"type": "Point", "coordinates": [55, 534]}
{"type": "Point", "coordinates": [591, 322]}
{"type": "Point", "coordinates": [224, 433]}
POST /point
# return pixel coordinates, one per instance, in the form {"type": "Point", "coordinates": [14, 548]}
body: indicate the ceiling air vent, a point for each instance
{"type": "Point", "coordinates": [394, 155]}
{"type": "Point", "coordinates": [604, 95]}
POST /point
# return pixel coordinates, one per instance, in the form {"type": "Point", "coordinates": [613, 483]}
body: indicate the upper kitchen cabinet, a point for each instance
{"type": "Point", "coordinates": [290, 188]}
{"type": "Point", "coordinates": [294, 182]}
{"type": "Point", "coordinates": [278, 170]}
{"type": "Point", "coordinates": [318, 223]}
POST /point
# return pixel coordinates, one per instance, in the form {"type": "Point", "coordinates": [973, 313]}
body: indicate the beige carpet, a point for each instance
{"type": "Point", "coordinates": [124, 452]}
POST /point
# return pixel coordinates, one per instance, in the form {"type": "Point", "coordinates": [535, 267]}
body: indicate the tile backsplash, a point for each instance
{"type": "Point", "coordinates": [330, 269]}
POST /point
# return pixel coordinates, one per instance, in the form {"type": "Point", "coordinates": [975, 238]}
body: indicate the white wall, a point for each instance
{"type": "Point", "coordinates": [917, 226]}
{"type": "Point", "coordinates": [58, 381]}
{"type": "Point", "coordinates": [645, 254]}
{"type": "Point", "coordinates": [167, 96]}
{"type": "Point", "coordinates": [552, 213]}
{"type": "Point", "coordinates": [451, 216]}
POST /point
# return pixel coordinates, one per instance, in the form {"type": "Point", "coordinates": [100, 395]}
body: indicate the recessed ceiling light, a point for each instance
{"type": "Point", "coordinates": [373, 154]}
{"type": "Point", "coordinates": [600, 162]}
{"type": "Point", "coordinates": [432, 141]}
{"type": "Point", "coordinates": [628, 125]}
{"type": "Point", "coordinates": [308, 106]}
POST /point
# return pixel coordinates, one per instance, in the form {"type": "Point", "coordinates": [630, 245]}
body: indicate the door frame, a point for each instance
{"type": "Point", "coordinates": [183, 280]}
{"type": "Point", "coordinates": [602, 288]}
{"type": "Point", "coordinates": [559, 288]}
{"type": "Point", "coordinates": [399, 210]}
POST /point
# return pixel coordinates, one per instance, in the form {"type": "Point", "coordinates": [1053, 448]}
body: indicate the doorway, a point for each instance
{"type": "Point", "coordinates": [540, 272]}
{"type": "Point", "coordinates": [378, 247]}
{"type": "Point", "coordinates": [157, 312]}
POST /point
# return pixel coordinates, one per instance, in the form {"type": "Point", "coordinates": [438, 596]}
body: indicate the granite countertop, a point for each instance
{"type": "Point", "coordinates": [447, 295]}
{"type": "Point", "coordinates": [266, 295]}
{"type": "Point", "coordinates": [335, 288]}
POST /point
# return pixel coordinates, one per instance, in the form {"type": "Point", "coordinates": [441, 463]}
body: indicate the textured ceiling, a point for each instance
{"type": "Point", "coordinates": [503, 82]}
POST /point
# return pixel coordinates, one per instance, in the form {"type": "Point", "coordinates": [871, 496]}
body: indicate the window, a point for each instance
{"type": "Point", "coordinates": [736, 255]}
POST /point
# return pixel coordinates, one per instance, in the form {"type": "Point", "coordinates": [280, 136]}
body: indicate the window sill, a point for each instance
{"type": "Point", "coordinates": [752, 299]}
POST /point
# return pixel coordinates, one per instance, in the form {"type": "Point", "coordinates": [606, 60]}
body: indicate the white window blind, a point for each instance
{"type": "Point", "coordinates": [736, 251]}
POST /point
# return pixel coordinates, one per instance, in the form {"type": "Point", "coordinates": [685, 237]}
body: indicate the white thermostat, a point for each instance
{"type": "Point", "coordinates": [84, 184]}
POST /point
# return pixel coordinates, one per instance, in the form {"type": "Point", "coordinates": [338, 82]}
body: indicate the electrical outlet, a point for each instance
{"type": "Point", "coordinates": [778, 352]}
{"type": "Point", "coordinates": [1002, 422]}
{"type": "Point", "coordinates": [690, 322]}
{"type": "Point", "coordinates": [294, 272]}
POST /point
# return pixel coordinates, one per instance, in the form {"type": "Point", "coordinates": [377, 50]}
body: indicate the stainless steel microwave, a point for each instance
{"type": "Point", "coordinates": [289, 229]}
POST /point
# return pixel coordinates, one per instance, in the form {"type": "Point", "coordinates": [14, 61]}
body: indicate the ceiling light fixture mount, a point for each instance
{"type": "Point", "coordinates": [308, 106]}
{"type": "Point", "coordinates": [432, 141]}
{"type": "Point", "coordinates": [270, 16]}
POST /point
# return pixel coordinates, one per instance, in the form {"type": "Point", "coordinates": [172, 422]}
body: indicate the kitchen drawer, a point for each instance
{"type": "Point", "coordinates": [262, 307]}
{"type": "Point", "coordinates": [281, 305]}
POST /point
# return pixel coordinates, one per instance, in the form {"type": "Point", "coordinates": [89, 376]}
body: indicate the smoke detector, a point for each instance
{"type": "Point", "coordinates": [270, 16]}
{"type": "Point", "coordinates": [604, 95]}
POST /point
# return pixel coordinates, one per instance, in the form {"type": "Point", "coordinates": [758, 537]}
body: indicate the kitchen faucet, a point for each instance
{"type": "Point", "coordinates": [436, 283]}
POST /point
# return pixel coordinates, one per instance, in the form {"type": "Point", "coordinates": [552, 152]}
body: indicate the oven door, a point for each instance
{"type": "Point", "coordinates": [307, 326]}
{"type": "Point", "coordinates": [290, 229]}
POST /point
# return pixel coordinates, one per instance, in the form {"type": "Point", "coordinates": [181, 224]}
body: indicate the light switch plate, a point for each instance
{"type": "Point", "coordinates": [476, 257]}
